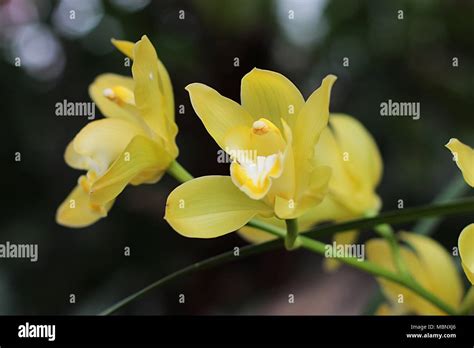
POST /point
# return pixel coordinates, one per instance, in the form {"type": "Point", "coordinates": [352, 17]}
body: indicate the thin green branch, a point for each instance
{"type": "Point", "coordinates": [366, 266]}
{"type": "Point", "coordinates": [178, 172]}
{"type": "Point", "coordinates": [458, 207]}
{"type": "Point", "coordinates": [387, 232]}
{"type": "Point", "coordinates": [456, 188]}
{"type": "Point", "coordinates": [291, 234]}
{"type": "Point", "coordinates": [426, 226]}
{"type": "Point", "coordinates": [220, 259]}
{"type": "Point", "coordinates": [444, 209]}
{"type": "Point", "coordinates": [398, 216]}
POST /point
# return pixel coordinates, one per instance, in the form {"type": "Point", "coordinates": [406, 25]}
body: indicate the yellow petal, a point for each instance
{"type": "Point", "coordinates": [126, 47]}
{"type": "Point", "coordinates": [75, 160]}
{"type": "Point", "coordinates": [466, 251]}
{"type": "Point", "coordinates": [353, 155]}
{"type": "Point", "coordinates": [310, 122]}
{"type": "Point", "coordinates": [464, 157]}
{"type": "Point", "coordinates": [153, 94]}
{"type": "Point", "coordinates": [270, 95]}
{"type": "Point", "coordinates": [262, 139]}
{"type": "Point", "coordinates": [219, 115]}
{"type": "Point", "coordinates": [100, 92]}
{"type": "Point", "coordinates": [148, 61]}
{"type": "Point", "coordinates": [266, 138]}
{"type": "Point", "coordinates": [439, 266]}
{"type": "Point", "coordinates": [364, 162]}
{"type": "Point", "coordinates": [284, 185]}
{"type": "Point", "coordinates": [314, 116]}
{"type": "Point", "coordinates": [209, 207]}
{"type": "Point", "coordinates": [166, 90]}
{"type": "Point", "coordinates": [313, 195]}
{"type": "Point", "coordinates": [307, 220]}
{"type": "Point", "coordinates": [316, 191]}
{"type": "Point", "coordinates": [379, 252]}
{"type": "Point", "coordinates": [77, 211]}
{"type": "Point", "coordinates": [329, 153]}
{"type": "Point", "coordinates": [329, 209]}
{"type": "Point", "coordinates": [101, 142]}
{"type": "Point", "coordinates": [429, 264]}
{"type": "Point", "coordinates": [140, 161]}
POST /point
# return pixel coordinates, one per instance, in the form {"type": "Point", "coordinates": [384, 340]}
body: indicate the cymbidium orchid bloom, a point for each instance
{"type": "Point", "coordinates": [352, 154]}
{"type": "Point", "coordinates": [429, 264]}
{"type": "Point", "coordinates": [350, 150]}
{"type": "Point", "coordinates": [464, 157]}
{"type": "Point", "coordinates": [271, 138]}
{"type": "Point", "coordinates": [134, 144]}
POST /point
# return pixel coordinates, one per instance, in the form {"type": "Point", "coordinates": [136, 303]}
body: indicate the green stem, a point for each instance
{"type": "Point", "coordinates": [291, 234]}
{"type": "Point", "coordinates": [458, 207]}
{"type": "Point", "coordinates": [398, 216]}
{"type": "Point", "coordinates": [425, 226]}
{"type": "Point", "coordinates": [387, 232]}
{"type": "Point", "coordinates": [366, 266]}
{"type": "Point", "coordinates": [455, 188]}
{"type": "Point", "coordinates": [405, 215]}
{"type": "Point", "coordinates": [178, 172]}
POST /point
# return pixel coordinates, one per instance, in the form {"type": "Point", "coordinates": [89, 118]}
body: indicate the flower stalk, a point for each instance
{"type": "Point", "coordinates": [386, 231]}
{"type": "Point", "coordinates": [304, 240]}
{"type": "Point", "coordinates": [366, 266]}
{"type": "Point", "coordinates": [291, 241]}
{"type": "Point", "coordinates": [178, 172]}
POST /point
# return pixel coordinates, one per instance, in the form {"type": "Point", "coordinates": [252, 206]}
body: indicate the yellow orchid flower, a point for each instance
{"type": "Point", "coordinates": [464, 157]}
{"type": "Point", "coordinates": [351, 152]}
{"type": "Point", "coordinates": [429, 264]}
{"type": "Point", "coordinates": [271, 139]}
{"type": "Point", "coordinates": [134, 144]}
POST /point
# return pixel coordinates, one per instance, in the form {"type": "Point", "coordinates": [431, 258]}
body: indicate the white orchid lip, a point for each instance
{"type": "Point", "coordinates": [253, 174]}
{"type": "Point", "coordinates": [258, 171]}
{"type": "Point", "coordinates": [254, 177]}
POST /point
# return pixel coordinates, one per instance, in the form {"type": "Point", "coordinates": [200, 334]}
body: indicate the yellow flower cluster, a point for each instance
{"type": "Point", "coordinates": [307, 164]}
{"type": "Point", "coordinates": [134, 144]}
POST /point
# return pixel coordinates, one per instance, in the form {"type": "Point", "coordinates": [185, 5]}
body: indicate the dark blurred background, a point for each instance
{"type": "Point", "coordinates": [409, 59]}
